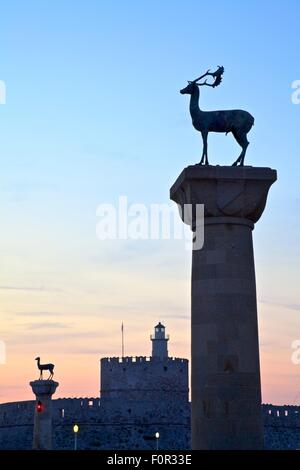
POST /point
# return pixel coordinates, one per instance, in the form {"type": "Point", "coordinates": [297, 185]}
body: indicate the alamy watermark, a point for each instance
{"type": "Point", "coordinates": [296, 94]}
{"type": "Point", "coordinates": [157, 222]}
{"type": "Point", "coordinates": [295, 358]}
{"type": "Point", "coordinates": [2, 92]}
{"type": "Point", "coordinates": [2, 352]}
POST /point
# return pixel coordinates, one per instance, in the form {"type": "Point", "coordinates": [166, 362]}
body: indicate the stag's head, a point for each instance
{"type": "Point", "coordinates": [188, 90]}
{"type": "Point", "coordinates": [217, 76]}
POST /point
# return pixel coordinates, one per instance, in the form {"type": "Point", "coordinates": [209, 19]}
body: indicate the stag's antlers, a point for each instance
{"type": "Point", "coordinates": [217, 75]}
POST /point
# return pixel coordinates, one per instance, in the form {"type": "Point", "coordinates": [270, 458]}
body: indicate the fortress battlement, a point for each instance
{"type": "Point", "coordinates": [140, 359]}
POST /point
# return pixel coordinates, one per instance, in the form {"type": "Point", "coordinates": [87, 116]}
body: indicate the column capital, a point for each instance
{"type": "Point", "coordinates": [43, 387]}
{"type": "Point", "coordinates": [226, 191]}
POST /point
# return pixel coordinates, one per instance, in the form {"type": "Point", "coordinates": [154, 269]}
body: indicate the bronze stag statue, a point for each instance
{"type": "Point", "coordinates": [42, 367]}
{"type": "Point", "coordinates": [237, 121]}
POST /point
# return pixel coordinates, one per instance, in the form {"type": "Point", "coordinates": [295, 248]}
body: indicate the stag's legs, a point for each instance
{"type": "Point", "coordinates": [204, 158]}
{"type": "Point", "coordinates": [242, 140]}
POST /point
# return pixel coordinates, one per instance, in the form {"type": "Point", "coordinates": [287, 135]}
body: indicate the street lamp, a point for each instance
{"type": "Point", "coordinates": [157, 438]}
{"type": "Point", "coordinates": [75, 429]}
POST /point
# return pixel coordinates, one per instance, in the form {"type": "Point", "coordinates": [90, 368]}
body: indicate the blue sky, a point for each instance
{"type": "Point", "coordinates": [93, 112]}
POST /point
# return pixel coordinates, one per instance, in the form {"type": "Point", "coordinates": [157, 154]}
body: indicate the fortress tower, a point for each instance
{"type": "Point", "coordinates": [143, 378]}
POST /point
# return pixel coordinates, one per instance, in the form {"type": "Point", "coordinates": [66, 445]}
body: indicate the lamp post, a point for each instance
{"type": "Point", "coordinates": [75, 429]}
{"type": "Point", "coordinates": [157, 438]}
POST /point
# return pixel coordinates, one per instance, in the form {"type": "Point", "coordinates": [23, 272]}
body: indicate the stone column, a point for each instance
{"type": "Point", "coordinates": [42, 431]}
{"type": "Point", "coordinates": [226, 390]}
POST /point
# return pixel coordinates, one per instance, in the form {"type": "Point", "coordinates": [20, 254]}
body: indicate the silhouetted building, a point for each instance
{"type": "Point", "coordinates": [139, 397]}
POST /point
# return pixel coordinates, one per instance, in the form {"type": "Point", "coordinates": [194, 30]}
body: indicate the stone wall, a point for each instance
{"type": "Point", "coordinates": [282, 426]}
{"type": "Point", "coordinates": [103, 424]}
{"type": "Point", "coordinates": [140, 378]}
{"type": "Point", "coordinates": [111, 424]}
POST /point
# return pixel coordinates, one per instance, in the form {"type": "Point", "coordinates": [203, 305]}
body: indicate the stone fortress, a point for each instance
{"type": "Point", "coordinates": [140, 396]}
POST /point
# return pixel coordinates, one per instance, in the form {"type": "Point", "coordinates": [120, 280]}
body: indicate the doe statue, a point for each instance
{"type": "Point", "coordinates": [41, 367]}
{"type": "Point", "coordinates": [237, 121]}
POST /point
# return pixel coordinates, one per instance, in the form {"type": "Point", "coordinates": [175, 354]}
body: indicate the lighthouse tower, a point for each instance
{"type": "Point", "coordinates": [159, 342]}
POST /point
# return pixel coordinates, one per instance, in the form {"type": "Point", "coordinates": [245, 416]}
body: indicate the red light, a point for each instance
{"type": "Point", "coordinates": [39, 407]}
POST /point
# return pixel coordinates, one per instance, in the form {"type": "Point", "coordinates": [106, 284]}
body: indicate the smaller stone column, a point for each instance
{"type": "Point", "coordinates": [42, 431]}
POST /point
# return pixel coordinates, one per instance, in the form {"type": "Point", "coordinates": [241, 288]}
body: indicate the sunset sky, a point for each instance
{"type": "Point", "coordinates": [93, 112]}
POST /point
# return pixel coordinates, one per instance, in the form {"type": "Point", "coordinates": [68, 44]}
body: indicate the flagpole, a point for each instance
{"type": "Point", "coordinates": [122, 328]}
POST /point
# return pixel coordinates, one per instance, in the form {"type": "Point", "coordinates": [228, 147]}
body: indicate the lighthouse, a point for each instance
{"type": "Point", "coordinates": [159, 342]}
